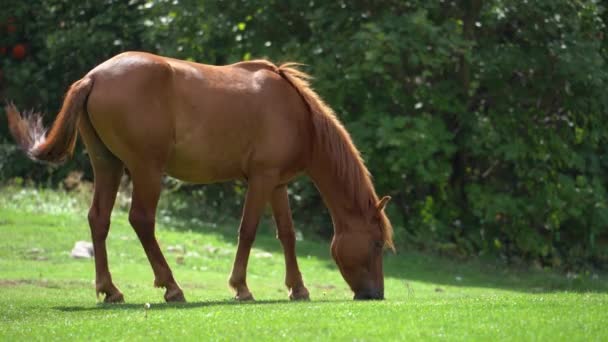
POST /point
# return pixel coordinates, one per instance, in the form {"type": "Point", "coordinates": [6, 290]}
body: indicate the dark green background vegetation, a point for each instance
{"type": "Point", "coordinates": [484, 120]}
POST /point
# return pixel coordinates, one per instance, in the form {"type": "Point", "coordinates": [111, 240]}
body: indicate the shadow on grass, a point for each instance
{"type": "Point", "coordinates": [189, 305]}
{"type": "Point", "coordinates": [410, 266]}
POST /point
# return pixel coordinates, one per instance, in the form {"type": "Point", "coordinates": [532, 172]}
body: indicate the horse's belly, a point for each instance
{"type": "Point", "coordinates": [203, 170]}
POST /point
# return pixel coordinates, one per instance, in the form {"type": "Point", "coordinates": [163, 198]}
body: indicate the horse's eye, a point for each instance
{"type": "Point", "coordinates": [378, 244]}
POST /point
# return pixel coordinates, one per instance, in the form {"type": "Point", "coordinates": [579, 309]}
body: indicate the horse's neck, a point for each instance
{"type": "Point", "coordinates": [332, 189]}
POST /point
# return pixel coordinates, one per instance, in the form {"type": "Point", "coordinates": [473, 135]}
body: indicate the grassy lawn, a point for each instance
{"type": "Point", "coordinates": [45, 294]}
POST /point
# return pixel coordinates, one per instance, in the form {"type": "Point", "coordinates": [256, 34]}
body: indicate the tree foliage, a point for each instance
{"type": "Point", "coordinates": [485, 120]}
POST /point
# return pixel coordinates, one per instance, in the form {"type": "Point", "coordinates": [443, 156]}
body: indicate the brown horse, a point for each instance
{"type": "Point", "coordinates": [203, 124]}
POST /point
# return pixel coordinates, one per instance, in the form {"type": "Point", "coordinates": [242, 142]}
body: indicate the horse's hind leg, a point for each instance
{"type": "Point", "coordinates": [146, 192]}
{"type": "Point", "coordinates": [286, 234]}
{"type": "Point", "coordinates": [107, 171]}
{"type": "Point", "coordinates": [107, 179]}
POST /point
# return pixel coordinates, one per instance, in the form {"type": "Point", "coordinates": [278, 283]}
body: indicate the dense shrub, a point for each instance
{"type": "Point", "coordinates": [485, 120]}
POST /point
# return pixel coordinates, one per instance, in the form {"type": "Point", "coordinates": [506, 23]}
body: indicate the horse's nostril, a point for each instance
{"type": "Point", "coordinates": [361, 296]}
{"type": "Point", "coordinates": [370, 294]}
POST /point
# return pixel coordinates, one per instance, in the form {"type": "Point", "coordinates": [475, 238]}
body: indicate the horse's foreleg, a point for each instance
{"type": "Point", "coordinates": [107, 180]}
{"type": "Point", "coordinates": [258, 193]}
{"type": "Point", "coordinates": [286, 234]}
{"type": "Point", "coordinates": [146, 192]}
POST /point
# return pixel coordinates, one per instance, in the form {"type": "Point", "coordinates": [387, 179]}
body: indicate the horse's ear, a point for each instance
{"type": "Point", "coordinates": [382, 203]}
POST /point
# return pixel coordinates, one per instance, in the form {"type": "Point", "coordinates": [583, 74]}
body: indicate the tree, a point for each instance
{"type": "Point", "coordinates": [485, 120]}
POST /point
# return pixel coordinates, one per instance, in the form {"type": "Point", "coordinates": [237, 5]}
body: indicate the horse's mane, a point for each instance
{"type": "Point", "coordinates": [349, 167]}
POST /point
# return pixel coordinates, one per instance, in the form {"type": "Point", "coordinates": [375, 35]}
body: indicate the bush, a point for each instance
{"type": "Point", "coordinates": [483, 119]}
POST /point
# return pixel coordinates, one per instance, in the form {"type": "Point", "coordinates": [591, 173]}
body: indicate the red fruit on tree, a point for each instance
{"type": "Point", "coordinates": [18, 51]}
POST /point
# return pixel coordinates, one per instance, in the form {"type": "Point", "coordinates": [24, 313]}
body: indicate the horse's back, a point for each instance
{"type": "Point", "coordinates": [198, 122]}
{"type": "Point", "coordinates": [234, 119]}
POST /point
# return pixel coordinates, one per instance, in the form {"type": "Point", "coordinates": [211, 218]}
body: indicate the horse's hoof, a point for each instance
{"type": "Point", "coordinates": [114, 298]}
{"type": "Point", "coordinates": [175, 296]}
{"type": "Point", "coordinates": [299, 294]}
{"type": "Point", "coordinates": [244, 297]}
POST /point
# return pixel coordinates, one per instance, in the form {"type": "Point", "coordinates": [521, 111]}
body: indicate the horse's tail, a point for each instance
{"type": "Point", "coordinates": [56, 146]}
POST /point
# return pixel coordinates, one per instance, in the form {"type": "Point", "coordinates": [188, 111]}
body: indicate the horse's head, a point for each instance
{"type": "Point", "coordinates": [358, 251]}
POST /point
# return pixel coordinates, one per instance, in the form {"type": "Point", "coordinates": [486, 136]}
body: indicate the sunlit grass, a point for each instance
{"type": "Point", "coordinates": [45, 294]}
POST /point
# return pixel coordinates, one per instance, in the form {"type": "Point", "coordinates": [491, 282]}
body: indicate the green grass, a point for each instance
{"type": "Point", "coordinates": [45, 294]}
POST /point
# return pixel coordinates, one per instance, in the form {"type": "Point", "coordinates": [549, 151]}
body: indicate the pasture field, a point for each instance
{"type": "Point", "coordinates": [47, 295]}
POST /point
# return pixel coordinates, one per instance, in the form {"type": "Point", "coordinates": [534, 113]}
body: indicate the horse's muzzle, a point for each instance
{"type": "Point", "coordinates": [369, 294]}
